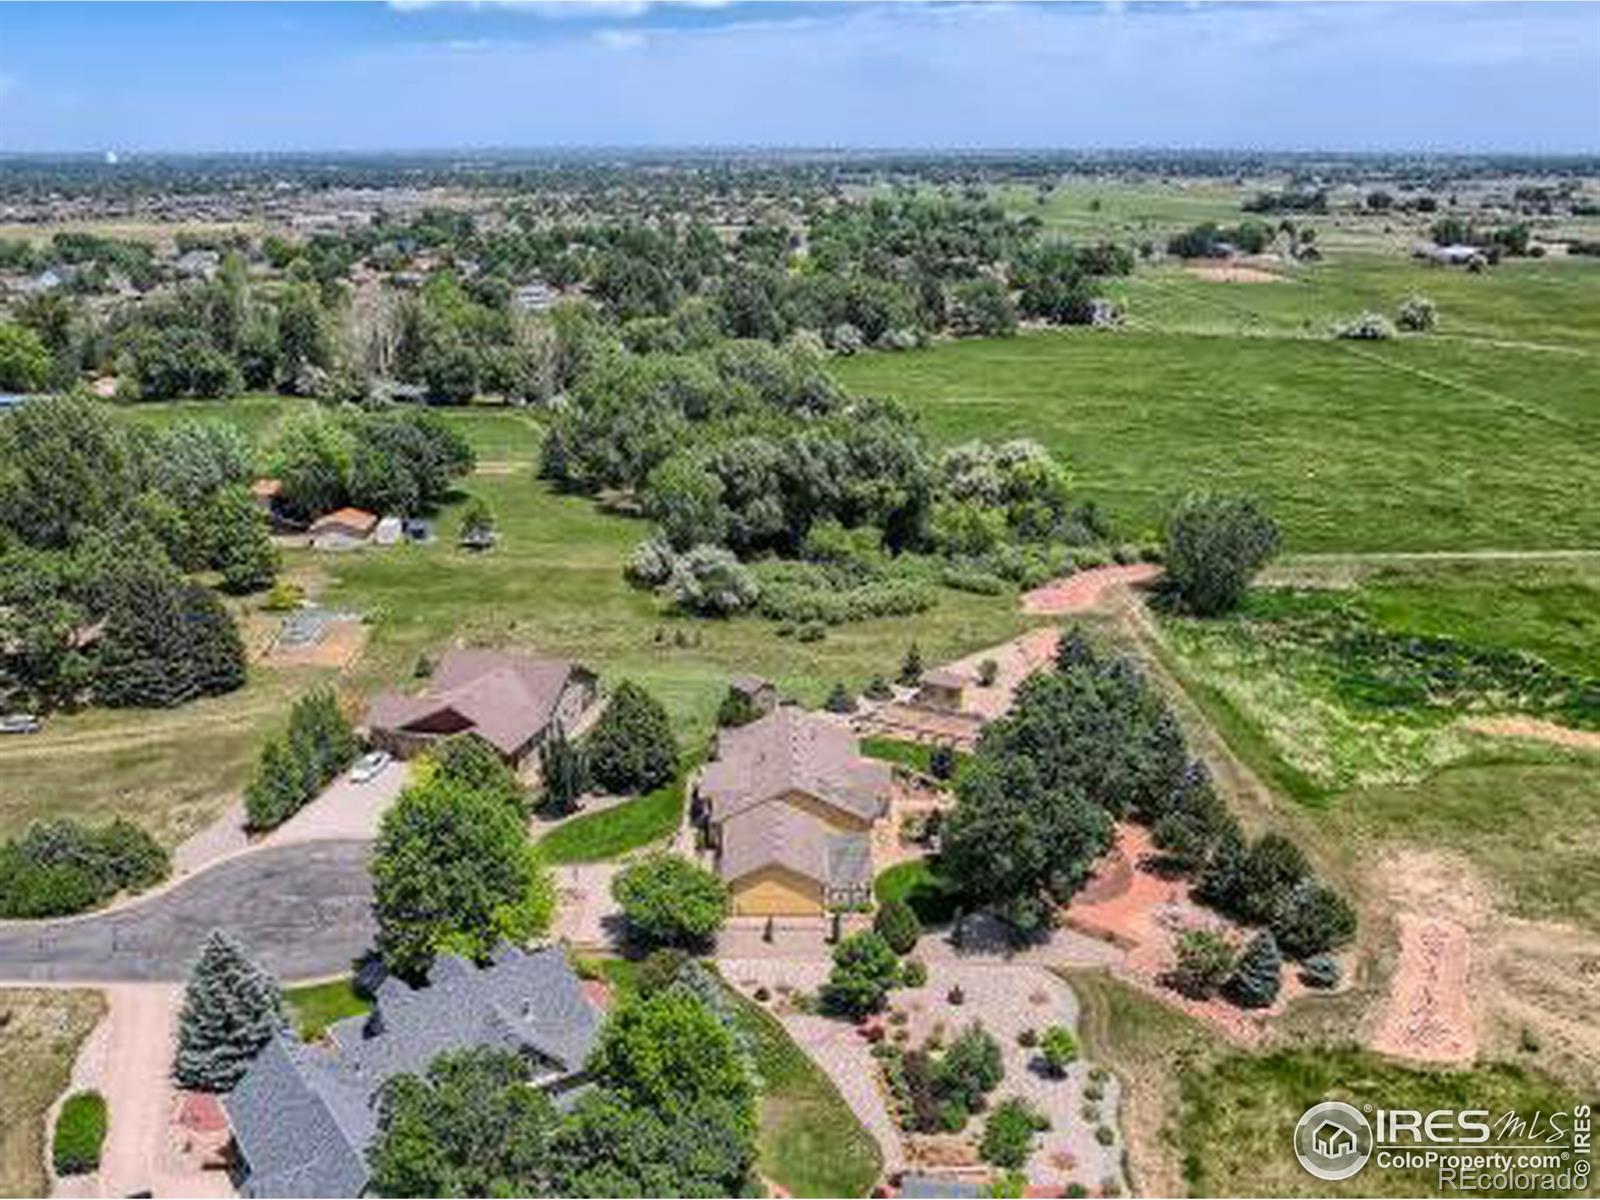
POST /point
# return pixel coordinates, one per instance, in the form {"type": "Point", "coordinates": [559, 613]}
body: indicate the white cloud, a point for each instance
{"type": "Point", "coordinates": [621, 39]}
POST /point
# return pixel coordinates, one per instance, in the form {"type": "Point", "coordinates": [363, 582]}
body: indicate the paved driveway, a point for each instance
{"type": "Point", "coordinates": [302, 910]}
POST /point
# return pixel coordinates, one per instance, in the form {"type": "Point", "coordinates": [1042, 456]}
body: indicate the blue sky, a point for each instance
{"type": "Point", "coordinates": [241, 76]}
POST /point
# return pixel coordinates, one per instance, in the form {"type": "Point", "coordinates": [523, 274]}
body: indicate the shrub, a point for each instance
{"type": "Point", "coordinates": [1213, 547]}
{"type": "Point", "coordinates": [1256, 978]}
{"type": "Point", "coordinates": [712, 582]}
{"type": "Point", "coordinates": [864, 969]}
{"type": "Point", "coordinates": [1320, 971]}
{"type": "Point", "coordinates": [670, 901]}
{"type": "Point", "coordinates": [1417, 314]}
{"type": "Point", "coordinates": [651, 563]}
{"type": "Point", "coordinates": [61, 867]}
{"type": "Point", "coordinates": [1028, 1038]}
{"type": "Point", "coordinates": [942, 761]}
{"type": "Point", "coordinates": [80, 1134]}
{"type": "Point", "coordinates": [956, 997]}
{"type": "Point", "coordinates": [1105, 1135]}
{"type": "Point", "coordinates": [563, 771]}
{"type": "Point", "coordinates": [293, 768]}
{"type": "Point", "coordinates": [914, 973]}
{"type": "Point", "coordinates": [898, 925]}
{"type": "Point", "coordinates": [1060, 1049]}
{"type": "Point", "coordinates": [911, 666]}
{"type": "Point", "coordinates": [970, 1069]}
{"type": "Point", "coordinates": [878, 689]}
{"type": "Point", "coordinates": [1312, 919]}
{"type": "Point", "coordinates": [840, 700]}
{"type": "Point", "coordinates": [988, 672]}
{"type": "Point", "coordinates": [1008, 1133]}
{"type": "Point", "coordinates": [632, 748]}
{"type": "Point", "coordinates": [1205, 959]}
{"type": "Point", "coordinates": [1368, 327]}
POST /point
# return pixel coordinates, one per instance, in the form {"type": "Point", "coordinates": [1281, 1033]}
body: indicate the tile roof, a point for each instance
{"type": "Point", "coordinates": [303, 1116]}
{"type": "Point", "coordinates": [792, 750]}
{"type": "Point", "coordinates": [353, 518]}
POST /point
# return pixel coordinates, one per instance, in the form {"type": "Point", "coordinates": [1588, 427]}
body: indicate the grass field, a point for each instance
{"type": "Point", "coordinates": [1406, 772]}
{"type": "Point", "coordinates": [1412, 445]}
{"type": "Point", "coordinates": [553, 585]}
{"type": "Point", "coordinates": [40, 1032]}
{"type": "Point", "coordinates": [1238, 1116]}
{"type": "Point", "coordinates": [653, 817]}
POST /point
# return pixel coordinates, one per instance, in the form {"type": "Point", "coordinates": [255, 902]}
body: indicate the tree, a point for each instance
{"type": "Point", "coordinates": [670, 901]}
{"type": "Point", "coordinates": [1312, 919]}
{"type": "Point", "coordinates": [911, 666]}
{"type": "Point", "coordinates": [1204, 959]}
{"type": "Point", "coordinates": [942, 761]}
{"type": "Point", "coordinates": [1008, 1133]}
{"type": "Point", "coordinates": [470, 1125]}
{"type": "Point", "coordinates": [840, 700]}
{"type": "Point", "coordinates": [453, 871]}
{"type": "Point", "coordinates": [669, 1051]}
{"type": "Point", "coordinates": [632, 748]}
{"type": "Point", "coordinates": [1060, 1049]}
{"type": "Point", "coordinates": [712, 582]}
{"type": "Point", "coordinates": [1256, 978]}
{"type": "Point", "coordinates": [1074, 649]}
{"type": "Point", "coordinates": [277, 788]}
{"type": "Point", "coordinates": [1213, 547]}
{"type": "Point", "coordinates": [472, 762]}
{"type": "Point", "coordinates": [166, 642]}
{"type": "Point", "coordinates": [897, 923]}
{"type": "Point", "coordinates": [864, 969]}
{"type": "Point", "coordinates": [231, 1009]}
{"type": "Point", "coordinates": [1417, 314]}
{"type": "Point", "coordinates": [563, 770]}
{"type": "Point", "coordinates": [477, 520]}
{"type": "Point", "coordinates": [615, 1146]}
{"type": "Point", "coordinates": [25, 363]}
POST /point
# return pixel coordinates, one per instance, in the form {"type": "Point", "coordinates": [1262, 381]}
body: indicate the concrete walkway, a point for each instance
{"type": "Point", "coordinates": [128, 1060]}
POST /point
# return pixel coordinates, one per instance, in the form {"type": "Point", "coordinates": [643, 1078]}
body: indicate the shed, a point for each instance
{"type": "Point", "coordinates": [389, 531]}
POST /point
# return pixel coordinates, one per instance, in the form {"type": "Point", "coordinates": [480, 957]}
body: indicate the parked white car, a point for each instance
{"type": "Point", "coordinates": [369, 766]}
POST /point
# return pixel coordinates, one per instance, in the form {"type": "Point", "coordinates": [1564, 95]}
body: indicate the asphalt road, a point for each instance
{"type": "Point", "coordinates": [302, 910]}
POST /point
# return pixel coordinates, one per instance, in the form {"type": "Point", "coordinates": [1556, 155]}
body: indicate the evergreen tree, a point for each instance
{"type": "Point", "coordinates": [1255, 979]}
{"type": "Point", "coordinates": [563, 770]}
{"type": "Point", "coordinates": [839, 700]}
{"type": "Point", "coordinates": [1073, 650]}
{"type": "Point", "coordinates": [911, 666]}
{"type": "Point", "coordinates": [276, 789]}
{"type": "Point", "coordinates": [231, 1009]}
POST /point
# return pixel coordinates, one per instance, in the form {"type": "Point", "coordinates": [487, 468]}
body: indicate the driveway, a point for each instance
{"type": "Point", "coordinates": [302, 910]}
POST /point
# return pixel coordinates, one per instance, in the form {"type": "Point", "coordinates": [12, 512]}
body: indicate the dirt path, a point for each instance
{"type": "Point", "coordinates": [1533, 729]}
{"type": "Point", "coordinates": [1085, 591]}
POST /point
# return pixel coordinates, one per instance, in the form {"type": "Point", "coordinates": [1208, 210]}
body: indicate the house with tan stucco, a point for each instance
{"type": "Point", "coordinates": [787, 806]}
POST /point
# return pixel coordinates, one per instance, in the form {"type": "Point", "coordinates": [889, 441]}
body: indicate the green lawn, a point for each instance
{"type": "Point", "coordinates": [635, 823]}
{"type": "Point", "coordinates": [932, 897]}
{"type": "Point", "coordinates": [42, 1032]}
{"type": "Point", "coordinates": [1416, 444]}
{"type": "Point", "coordinates": [916, 755]}
{"type": "Point", "coordinates": [316, 1006]}
{"type": "Point", "coordinates": [810, 1142]}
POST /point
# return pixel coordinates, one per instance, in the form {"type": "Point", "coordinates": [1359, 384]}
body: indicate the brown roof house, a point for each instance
{"type": "Point", "coordinates": [343, 529]}
{"type": "Point", "coordinates": [510, 700]}
{"type": "Point", "coordinates": [788, 804]}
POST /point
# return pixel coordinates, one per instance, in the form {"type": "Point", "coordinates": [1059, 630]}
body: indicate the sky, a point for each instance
{"type": "Point", "coordinates": [133, 77]}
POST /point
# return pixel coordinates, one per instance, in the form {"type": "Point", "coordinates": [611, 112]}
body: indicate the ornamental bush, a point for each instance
{"type": "Point", "coordinates": [80, 1134]}
{"type": "Point", "coordinates": [864, 969]}
{"type": "Point", "coordinates": [1008, 1133]}
{"type": "Point", "coordinates": [898, 925]}
{"type": "Point", "coordinates": [61, 867]}
{"type": "Point", "coordinates": [1060, 1049]}
{"type": "Point", "coordinates": [1257, 976]}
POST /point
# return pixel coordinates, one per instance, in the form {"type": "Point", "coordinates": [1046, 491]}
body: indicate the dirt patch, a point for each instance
{"type": "Point", "coordinates": [1086, 590]}
{"type": "Point", "coordinates": [1232, 273]}
{"type": "Point", "coordinates": [337, 646]}
{"type": "Point", "coordinates": [1536, 730]}
{"type": "Point", "coordinates": [1440, 911]}
{"type": "Point", "coordinates": [1542, 982]}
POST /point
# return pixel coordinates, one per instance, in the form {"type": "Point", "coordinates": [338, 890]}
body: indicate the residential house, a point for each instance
{"type": "Point", "coordinates": [343, 529]}
{"type": "Point", "coordinates": [510, 700]}
{"type": "Point", "coordinates": [788, 805]}
{"type": "Point", "coordinates": [304, 1116]}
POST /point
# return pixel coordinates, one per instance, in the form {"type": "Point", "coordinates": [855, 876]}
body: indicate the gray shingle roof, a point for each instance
{"type": "Point", "coordinates": [303, 1116]}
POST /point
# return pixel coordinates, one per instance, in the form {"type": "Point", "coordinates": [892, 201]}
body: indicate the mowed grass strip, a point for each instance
{"type": "Point", "coordinates": [315, 1006]}
{"type": "Point", "coordinates": [1412, 445]}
